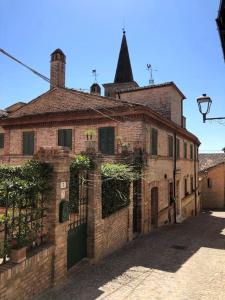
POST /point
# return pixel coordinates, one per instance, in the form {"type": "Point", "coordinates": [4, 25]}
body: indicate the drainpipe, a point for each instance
{"type": "Point", "coordinates": [195, 160]}
{"type": "Point", "coordinates": [174, 176]}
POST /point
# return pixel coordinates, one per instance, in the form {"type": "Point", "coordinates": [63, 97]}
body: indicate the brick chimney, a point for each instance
{"type": "Point", "coordinates": [58, 62]}
{"type": "Point", "coordinates": [95, 89]}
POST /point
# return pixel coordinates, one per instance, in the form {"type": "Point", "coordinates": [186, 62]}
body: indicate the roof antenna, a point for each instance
{"type": "Point", "coordinates": [124, 26]}
{"type": "Point", "coordinates": [95, 75]}
{"type": "Point", "coordinates": [151, 70]}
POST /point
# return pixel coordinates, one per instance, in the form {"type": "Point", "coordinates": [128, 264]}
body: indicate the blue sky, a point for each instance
{"type": "Point", "coordinates": [179, 38]}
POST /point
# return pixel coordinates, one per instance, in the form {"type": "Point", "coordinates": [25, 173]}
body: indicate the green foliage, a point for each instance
{"type": "Point", "coordinates": [19, 184]}
{"type": "Point", "coordinates": [82, 162]}
{"type": "Point", "coordinates": [118, 171]}
{"type": "Point", "coordinates": [23, 191]}
{"type": "Point", "coordinates": [115, 195]}
{"type": "Point", "coordinates": [78, 175]}
{"type": "Point", "coordinates": [116, 180]}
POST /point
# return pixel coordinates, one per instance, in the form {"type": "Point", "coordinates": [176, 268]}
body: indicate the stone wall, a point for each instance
{"type": "Point", "coordinates": [213, 196]}
{"type": "Point", "coordinates": [32, 276]}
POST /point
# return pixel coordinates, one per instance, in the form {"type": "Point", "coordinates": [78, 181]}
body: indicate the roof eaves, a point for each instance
{"type": "Point", "coordinates": [171, 83]}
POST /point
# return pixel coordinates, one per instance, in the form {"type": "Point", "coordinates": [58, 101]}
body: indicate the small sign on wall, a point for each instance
{"type": "Point", "coordinates": [63, 185]}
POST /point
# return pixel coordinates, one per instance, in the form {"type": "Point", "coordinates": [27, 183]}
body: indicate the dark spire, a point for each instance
{"type": "Point", "coordinates": [123, 70]}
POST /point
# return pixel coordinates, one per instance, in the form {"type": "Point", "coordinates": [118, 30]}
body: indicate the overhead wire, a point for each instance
{"type": "Point", "coordinates": [130, 105]}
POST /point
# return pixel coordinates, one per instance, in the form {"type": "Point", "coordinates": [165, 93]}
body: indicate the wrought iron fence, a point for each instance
{"type": "Point", "coordinates": [21, 224]}
{"type": "Point", "coordinates": [23, 198]}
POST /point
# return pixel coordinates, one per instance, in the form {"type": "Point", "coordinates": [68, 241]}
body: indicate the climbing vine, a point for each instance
{"type": "Point", "coordinates": [116, 179]}
{"type": "Point", "coordinates": [78, 179]}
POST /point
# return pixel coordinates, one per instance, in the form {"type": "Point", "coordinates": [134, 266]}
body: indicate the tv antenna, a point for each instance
{"type": "Point", "coordinates": [151, 70]}
{"type": "Point", "coordinates": [95, 75]}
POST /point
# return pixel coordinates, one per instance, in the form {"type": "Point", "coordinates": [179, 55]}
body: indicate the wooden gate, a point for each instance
{"type": "Point", "coordinates": [77, 231]}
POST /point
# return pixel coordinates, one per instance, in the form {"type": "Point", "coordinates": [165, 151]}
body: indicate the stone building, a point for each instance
{"type": "Point", "coordinates": [149, 119]}
{"type": "Point", "coordinates": [212, 180]}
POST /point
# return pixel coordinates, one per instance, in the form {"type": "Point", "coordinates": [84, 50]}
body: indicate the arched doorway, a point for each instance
{"type": "Point", "coordinates": [154, 207]}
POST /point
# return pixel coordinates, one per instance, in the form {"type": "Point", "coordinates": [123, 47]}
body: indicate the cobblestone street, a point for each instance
{"type": "Point", "coordinates": [184, 261]}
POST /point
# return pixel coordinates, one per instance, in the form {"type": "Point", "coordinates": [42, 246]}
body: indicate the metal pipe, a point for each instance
{"type": "Point", "coordinates": [174, 176]}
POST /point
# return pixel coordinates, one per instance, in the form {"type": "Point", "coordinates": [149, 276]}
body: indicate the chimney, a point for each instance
{"type": "Point", "coordinates": [95, 89]}
{"type": "Point", "coordinates": [58, 62]}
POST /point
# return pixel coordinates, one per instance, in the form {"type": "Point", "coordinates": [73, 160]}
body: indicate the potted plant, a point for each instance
{"type": "Point", "coordinates": [18, 249]}
{"type": "Point", "coordinates": [91, 145]}
{"type": "Point", "coordinates": [89, 133]}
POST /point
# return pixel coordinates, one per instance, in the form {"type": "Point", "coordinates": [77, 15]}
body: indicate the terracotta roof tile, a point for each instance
{"type": "Point", "coordinates": [208, 160]}
{"type": "Point", "coordinates": [66, 100]}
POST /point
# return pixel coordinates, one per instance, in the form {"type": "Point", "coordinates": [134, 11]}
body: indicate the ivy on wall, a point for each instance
{"type": "Point", "coordinates": [116, 179]}
{"type": "Point", "coordinates": [78, 179]}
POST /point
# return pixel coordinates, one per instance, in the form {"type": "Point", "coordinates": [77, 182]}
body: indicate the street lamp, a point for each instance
{"type": "Point", "coordinates": [204, 104]}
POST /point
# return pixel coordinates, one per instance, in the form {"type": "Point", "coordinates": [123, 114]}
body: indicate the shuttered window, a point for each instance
{"type": "Point", "coordinates": [185, 150]}
{"type": "Point", "coordinates": [1, 140]}
{"type": "Point", "coordinates": [28, 143]}
{"type": "Point", "coordinates": [177, 148]}
{"type": "Point", "coordinates": [107, 140]}
{"type": "Point", "coordinates": [65, 138]}
{"type": "Point", "coordinates": [191, 151]}
{"type": "Point", "coordinates": [170, 146]}
{"type": "Point", "coordinates": [185, 187]}
{"type": "Point", "coordinates": [154, 141]}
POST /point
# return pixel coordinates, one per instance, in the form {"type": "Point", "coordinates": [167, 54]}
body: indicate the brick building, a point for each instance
{"type": "Point", "coordinates": [212, 180]}
{"type": "Point", "coordinates": [146, 118]}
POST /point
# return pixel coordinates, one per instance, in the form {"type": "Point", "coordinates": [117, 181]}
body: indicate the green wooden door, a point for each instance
{"type": "Point", "coordinates": [76, 244]}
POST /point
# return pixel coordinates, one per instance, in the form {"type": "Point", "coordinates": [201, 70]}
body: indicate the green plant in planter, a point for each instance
{"type": "Point", "coordinates": [89, 133]}
{"type": "Point", "coordinates": [4, 249]}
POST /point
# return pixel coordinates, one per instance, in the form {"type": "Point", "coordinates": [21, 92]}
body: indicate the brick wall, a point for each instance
{"type": "Point", "coordinates": [164, 100]}
{"type": "Point", "coordinates": [114, 232]}
{"type": "Point", "coordinates": [29, 278]}
{"type": "Point", "coordinates": [48, 137]}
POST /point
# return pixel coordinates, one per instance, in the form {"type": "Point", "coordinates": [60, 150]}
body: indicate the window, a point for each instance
{"type": "Point", "coordinates": [185, 187]}
{"type": "Point", "coordinates": [209, 183]}
{"type": "Point", "coordinates": [192, 184]}
{"type": "Point", "coordinates": [28, 143]}
{"type": "Point", "coordinates": [177, 148]}
{"type": "Point", "coordinates": [1, 140]}
{"type": "Point", "coordinates": [191, 151]}
{"type": "Point", "coordinates": [170, 146]}
{"type": "Point", "coordinates": [65, 138]}
{"type": "Point", "coordinates": [154, 141]}
{"type": "Point", "coordinates": [185, 150]}
{"type": "Point", "coordinates": [107, 140]}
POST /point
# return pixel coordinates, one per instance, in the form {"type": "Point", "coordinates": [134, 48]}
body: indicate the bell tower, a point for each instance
{"type": "Point", "coordinates": [123, 76]}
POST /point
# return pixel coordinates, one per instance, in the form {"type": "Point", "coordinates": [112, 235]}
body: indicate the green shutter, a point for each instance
{"type": "Point", "coordinates": [191, 151]}
{"type": "Point", "coordinates": [110, 140]}
{"type": "Point", "coordinates": [60, 137]}
{"type": "Point", "coordinates": [170, 146]}
{"type": "Point", "coordinates": [107, 140]}
{"type": "Point", "coordinates": [1, 140]}
{"type": "Point", "coordinates": [65, 138]}
{"type": "Point", "coordinates": [154, 140]}
{"type": "Point", "coordinates": [28, 143]}
{"type": "Point", "coordinates": [177, 148]}
{"type": "Point", "coordinates": [68, 138]}
{"type": "Point", "coordinates": [185, 150]}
